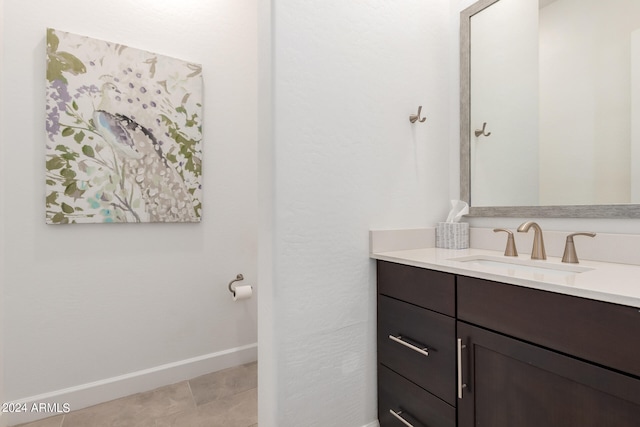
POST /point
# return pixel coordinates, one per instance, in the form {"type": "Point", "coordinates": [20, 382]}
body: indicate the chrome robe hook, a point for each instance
{"type": "Point", "coordinates": [482, 131]}
{"type": "Point", "coordinates": [416, 117]}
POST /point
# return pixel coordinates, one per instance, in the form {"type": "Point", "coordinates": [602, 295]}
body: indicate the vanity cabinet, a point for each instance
{"type": "Point", "coordinates": [416, 347]}
{"type": "Point", "coordinates": [537, 358]}
{"type": "Point", "coordinates": [526, 357]}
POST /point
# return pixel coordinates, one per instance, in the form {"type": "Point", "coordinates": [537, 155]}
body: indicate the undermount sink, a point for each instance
{"type": "Point", "coordinates": [524, 265]}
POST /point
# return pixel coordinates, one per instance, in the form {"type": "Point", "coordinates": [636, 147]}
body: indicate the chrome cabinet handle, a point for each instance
{"type": "Point", "coordinates": [402, 420]}
{"type": "Point", "coordinates": [460, 384]}
{"type": "Point", "coordinates": [424, 350]}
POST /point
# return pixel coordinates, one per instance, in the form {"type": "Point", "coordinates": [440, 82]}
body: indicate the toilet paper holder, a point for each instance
{"type": "Point", "coordinates": [237, 279]}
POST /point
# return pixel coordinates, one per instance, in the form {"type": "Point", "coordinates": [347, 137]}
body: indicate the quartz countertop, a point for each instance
{"type": "Point", "coordinates": [609, 282]}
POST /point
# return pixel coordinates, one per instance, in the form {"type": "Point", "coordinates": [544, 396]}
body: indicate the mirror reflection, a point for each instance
{"type": "Point", "coordinates": [557, 83]}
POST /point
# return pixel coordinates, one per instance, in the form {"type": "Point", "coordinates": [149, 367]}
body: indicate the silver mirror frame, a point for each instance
{"type": "Point", "coordinates": [558, 211]}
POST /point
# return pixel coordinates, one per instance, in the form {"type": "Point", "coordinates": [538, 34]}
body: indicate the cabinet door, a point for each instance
{"type": "Point", "coordinates": [513, 383]}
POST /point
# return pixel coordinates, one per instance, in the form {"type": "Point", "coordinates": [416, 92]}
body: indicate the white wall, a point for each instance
{"type": "Point", "coordinates": [2, 238]}
{"type": "Point", "coordinates": [346, 77]}
{"type": "Point", "coordinates": [268, 354]}
{"type": "Point", "coordinates": [87, 303]}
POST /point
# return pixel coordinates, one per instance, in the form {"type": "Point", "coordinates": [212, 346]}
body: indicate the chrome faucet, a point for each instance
{"type": "Point", "coordinates": [570, 247]}
{"type": "Point", "coordinates": [537, 252]}
{"type": "Point", "coordinates": [511, 243]}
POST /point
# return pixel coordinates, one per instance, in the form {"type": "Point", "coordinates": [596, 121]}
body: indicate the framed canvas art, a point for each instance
{"type": "Point", "coordinates": [124, 134]}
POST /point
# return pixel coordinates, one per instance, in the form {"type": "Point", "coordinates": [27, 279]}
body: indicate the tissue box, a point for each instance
{"type": "Point", "coordinates": [452, 235]}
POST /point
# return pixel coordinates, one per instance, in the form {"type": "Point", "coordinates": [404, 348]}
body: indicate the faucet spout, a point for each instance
{"type": "Point", "coordinates": [537, 252]}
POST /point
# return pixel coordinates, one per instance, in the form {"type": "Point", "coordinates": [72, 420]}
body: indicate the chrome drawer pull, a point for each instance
{"type": "Point", "coordinates": [402, 420]}
{"type": "Point", "coordinates": [399, 340]}
{"type": "Point", "coordinates": [460, 384]}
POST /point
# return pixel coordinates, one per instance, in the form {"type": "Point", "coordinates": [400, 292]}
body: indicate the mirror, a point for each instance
{"type": "Point", "coordinates": [550, 108]}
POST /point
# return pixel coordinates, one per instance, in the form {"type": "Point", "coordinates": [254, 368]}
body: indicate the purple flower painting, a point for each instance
{"type": "Point", "coordinates": [124, 134]}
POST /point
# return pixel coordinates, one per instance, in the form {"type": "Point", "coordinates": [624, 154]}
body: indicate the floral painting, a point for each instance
{"type": "Point", "coordinates": [124, 134]}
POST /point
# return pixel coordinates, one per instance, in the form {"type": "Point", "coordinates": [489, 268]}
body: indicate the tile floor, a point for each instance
{"type": "Point", "coordinates": [226, 398]}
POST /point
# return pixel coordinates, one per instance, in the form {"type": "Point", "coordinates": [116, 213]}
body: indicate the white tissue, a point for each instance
{"type": "Point", "coordinates": [458, 208]}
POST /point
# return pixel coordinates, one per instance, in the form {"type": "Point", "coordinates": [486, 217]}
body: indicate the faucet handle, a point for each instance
{"type": "Point", "coordinates": [570, 255]}
{"type": "Point", "coordinates": [511, 243]}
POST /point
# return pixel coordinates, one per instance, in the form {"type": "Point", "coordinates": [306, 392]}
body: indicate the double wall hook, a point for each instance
{"type": "Point", "coordinates": [416, 117]}
{"type": "Point", "coordinates": [482, 131]}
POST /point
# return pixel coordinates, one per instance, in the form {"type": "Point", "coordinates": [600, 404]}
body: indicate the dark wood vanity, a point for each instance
{"type": "Point", "coordinates": [460, 351]}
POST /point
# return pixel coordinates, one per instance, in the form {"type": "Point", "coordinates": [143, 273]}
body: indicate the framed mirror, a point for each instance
{"type": "Point", "coordinates": [550, 108]}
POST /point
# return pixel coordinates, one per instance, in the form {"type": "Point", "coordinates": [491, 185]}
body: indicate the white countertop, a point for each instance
{"type": "Point", "coordinates": [610, 282]}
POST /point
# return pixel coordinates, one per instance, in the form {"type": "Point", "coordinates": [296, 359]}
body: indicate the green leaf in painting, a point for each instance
{"type": "Point", "coordinates": [68, 173]}
{"type": "Point", "coordinates": [79, 137]}
{"type": "Point", "coordinates": [67, 131]}
{"type": "Point", "coordinates": [54, 69]}
{"type": "Point", "coordinates": [87, 150]}
{"type": "Point", "coordinates": [66, 208]}
{"type": "Point", "coordinates": [191, 122]}
{"type": "Point", "coordinates": [62, 148]}
{"type": "Point", "coordinates": [59, 218]}
{"type": "Point", "coordinates": [190, 166]}
{"type": "Point", "coordinates": [71, 63]}
{"type": "Point", "coordinates": [71, 189]}
{"type": "Point", "coordinates": [69, 156]}
{"type": "Point", "coordinates": [51, 182]}
{"type": "Point", "coordinates": [55, 163]}
{"type": "Point", "coordinates": [59, 62]}
{"type": "Point", "coordinates": [52, 40]}
{"type": "Point", "coordinates": [166, 120]}
{"type": "Point", "coordinates": [51, 199]}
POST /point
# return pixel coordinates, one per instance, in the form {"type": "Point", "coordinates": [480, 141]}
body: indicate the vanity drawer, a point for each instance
{"type": "Point", "coordinates": [418, 407]}
{"type": "Point", "coordinates": [597, 331]}
{"type": "Point", "coordinates": [403, 330]}
{"type": "Point", "coordinates": [430, 289]}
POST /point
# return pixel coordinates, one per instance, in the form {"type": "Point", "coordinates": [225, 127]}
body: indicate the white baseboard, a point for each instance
{"type": "Point", "coordinates": [373, 424]}
{"type": "Point", "coordinates": [89, 394]}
